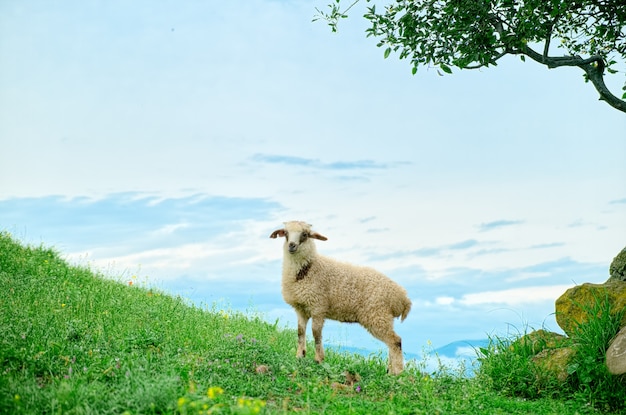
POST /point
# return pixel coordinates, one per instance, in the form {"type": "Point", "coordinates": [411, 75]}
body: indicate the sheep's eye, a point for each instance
{"type": "Point", "coordinates": [303, 236]}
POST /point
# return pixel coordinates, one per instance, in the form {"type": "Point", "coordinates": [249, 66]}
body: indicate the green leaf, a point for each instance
{"type": "Point", "coordinates": [387, 52]}
{"type": "Point", "coordinates": [523, 58]}
{"type": "Point", "coordinates": [414, 71]}
{"type": "Point", "coordinates": [445, 68]}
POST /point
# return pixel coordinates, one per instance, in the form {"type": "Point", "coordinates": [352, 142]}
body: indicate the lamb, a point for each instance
{"type": "Point", "coordinates": [319, 287]}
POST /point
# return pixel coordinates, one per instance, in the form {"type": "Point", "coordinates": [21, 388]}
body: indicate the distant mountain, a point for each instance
{"type": "Point", "coordinates": [461, 353]}
{"type": "Point", "coordinates": [462, 348]}
{"type": "Point", "coordinates": [452, 356]}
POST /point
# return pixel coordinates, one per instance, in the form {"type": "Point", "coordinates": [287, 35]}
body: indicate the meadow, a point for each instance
{"type": "Point", "coordinates": [74, 341]}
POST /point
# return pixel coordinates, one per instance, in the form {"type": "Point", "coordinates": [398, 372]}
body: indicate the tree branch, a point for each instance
{"type": "Point", "coordinates": [493, 61]}
{"type": "Point", "coordinates": [546, 47]}
{"type": "Point", "coordinates": [593, 67]}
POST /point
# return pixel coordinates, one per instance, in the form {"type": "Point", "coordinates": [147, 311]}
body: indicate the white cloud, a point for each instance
{"type": "Point", "coordinates": [515, 296]}
{"type": "Point", "coordinates": [465, 351]}
{"type": "Point", "coordinates": [444, 300]}
{"type": "Point", "coordinates": [523, 276]}
{"type": "Point", "coordinates": [170, 229]}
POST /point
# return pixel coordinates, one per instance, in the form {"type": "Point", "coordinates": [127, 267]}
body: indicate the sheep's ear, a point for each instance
{"type": "Point", "coordinates": [277, 232]}
{"type": "Point", "coordinates": [318, 236]}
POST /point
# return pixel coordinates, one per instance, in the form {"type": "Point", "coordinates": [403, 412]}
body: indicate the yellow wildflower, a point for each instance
{"type": "Point", "coordinates": [214, 391]}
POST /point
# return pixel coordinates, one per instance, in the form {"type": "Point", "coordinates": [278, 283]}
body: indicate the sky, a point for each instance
{"type": "Point", "coordinates": [162, 142]}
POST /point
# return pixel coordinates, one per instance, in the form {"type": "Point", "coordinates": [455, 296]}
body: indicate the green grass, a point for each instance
{"type": "Point", "coordinates": [507, 366]}
{"type": "Point", "coordinates": [75, 342]}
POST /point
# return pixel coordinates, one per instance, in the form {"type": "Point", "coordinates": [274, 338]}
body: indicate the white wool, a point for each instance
{"type": "Point", "coordinates": [318, 287]}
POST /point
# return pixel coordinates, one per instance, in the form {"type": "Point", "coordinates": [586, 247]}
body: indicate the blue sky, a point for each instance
{"type": "Point", "coordinates": [168, 140]}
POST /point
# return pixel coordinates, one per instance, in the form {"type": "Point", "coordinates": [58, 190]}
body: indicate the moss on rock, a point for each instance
{"type": "Point", "coordinates": [574, 306]}
{"type": "Point", "coordinates": [617, 270]}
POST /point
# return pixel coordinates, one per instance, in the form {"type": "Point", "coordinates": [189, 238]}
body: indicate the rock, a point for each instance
{"type": "Point", "coordinates": [617, 270]}
{"type": "Point", "coordinates": [552, 363]}
{"type": "Point", "coordinates": [616, 353]}
{"type": "Point", "coordinates": [539, 340]}
{"type": "Point", "coordinates": [573, 306]}
{"type": "Point", "coordinates": [262, 369]}
{"type": "Point", "coordinates": [551, 358]}
{"type": "Point", "coordinates": [351, 378]}
{"type": "Point", "coordinates": [339, 386]}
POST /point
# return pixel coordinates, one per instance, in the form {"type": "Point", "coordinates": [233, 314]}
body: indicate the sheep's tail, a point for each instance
{"type": "Point", "coordinates": [404, 306]}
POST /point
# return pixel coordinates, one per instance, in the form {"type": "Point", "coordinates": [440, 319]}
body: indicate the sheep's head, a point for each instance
{"type": "Point", "coordinates": [296, 233]}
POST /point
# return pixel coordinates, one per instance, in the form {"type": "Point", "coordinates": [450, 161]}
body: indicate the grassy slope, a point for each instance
{"type": "Point", "coordinates": [75, 342]}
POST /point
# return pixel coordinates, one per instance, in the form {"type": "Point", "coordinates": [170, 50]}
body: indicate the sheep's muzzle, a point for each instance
{"type": "Point", "coordinates": [292, 247]}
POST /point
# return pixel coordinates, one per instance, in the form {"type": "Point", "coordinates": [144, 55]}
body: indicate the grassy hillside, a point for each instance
{"type": "Point", "coordinates": [74, 342]}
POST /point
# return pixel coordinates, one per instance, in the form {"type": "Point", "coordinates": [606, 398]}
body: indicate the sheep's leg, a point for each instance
{"type": "Point", "coordinates": [384, 332]}
{"type": "Point", "coordinates": [396, 359]}
{"type": "Point", "coordinates": [318, 325]}
{"type": "Point", "coordinates": [302, 323]}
